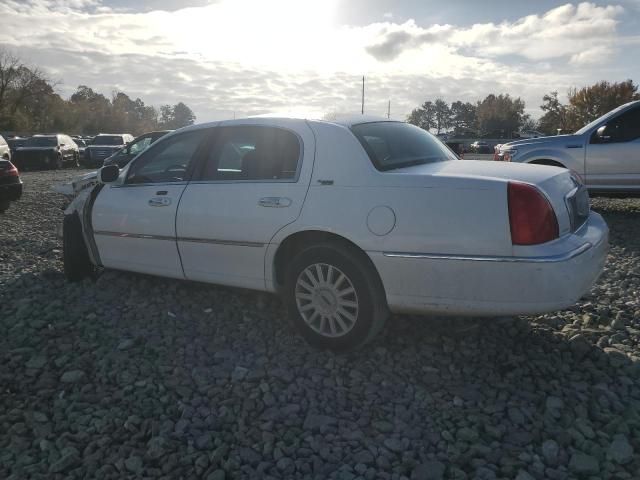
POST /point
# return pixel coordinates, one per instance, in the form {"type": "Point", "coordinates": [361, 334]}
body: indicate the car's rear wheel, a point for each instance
{"type": "Point", "coordinates": [4, 206]}
{"type": "Point", "coordinates": [77, 264]}
{"type": "Point", "coordinates": [334, 297]}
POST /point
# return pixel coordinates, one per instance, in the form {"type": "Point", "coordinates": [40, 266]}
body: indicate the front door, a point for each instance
{"type": "Point", "coordinates": [134, 219]}
{"type": "Point", "coordinates": [253, 183]}
{"type": "Point", "coordinates": [613, 159]}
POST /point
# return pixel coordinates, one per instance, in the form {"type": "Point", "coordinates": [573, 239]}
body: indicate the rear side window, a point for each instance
{"type": "Point", "coordinates": [392, 145]}
{"type": "Point", "coordinates": [253, 153]}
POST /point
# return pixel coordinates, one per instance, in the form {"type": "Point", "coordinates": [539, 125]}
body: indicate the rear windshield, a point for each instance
{"type": "Point", "coordinates": [41, 142]}
{"type": "Point", "coordinates": [392, 145]}
{"type": "Point", "coordinates": [107, 140]}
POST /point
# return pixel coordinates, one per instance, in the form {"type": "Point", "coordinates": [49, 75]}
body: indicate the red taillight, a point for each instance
{"type": "Point", "coordinates": [531, 216]}
{"type": "Point", "coordinates": [9, 171]}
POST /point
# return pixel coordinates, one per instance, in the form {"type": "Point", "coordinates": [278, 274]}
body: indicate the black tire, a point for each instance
{"type": "Point", "coordinates": [77, 264]}
{"type": "Point", "coordinates": [371, 312]}
{"type": "Point", "coordinates": [4, 206]}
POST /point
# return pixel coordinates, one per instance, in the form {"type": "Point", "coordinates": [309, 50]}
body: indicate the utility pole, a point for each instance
{"type": "Point", "coordinates": [389, 110]}
{"type": "Point", "coordinates": [363, 95]}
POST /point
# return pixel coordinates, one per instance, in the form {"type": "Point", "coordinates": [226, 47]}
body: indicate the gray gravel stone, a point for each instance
{"type": "Point", "coordinates": [620, 450]}
{"type": "Point", "coordinates": [584, 464]}
{"type": "Point", "coordinates": [431, 470]}
{"type": "Point", "coordinates": [223, 388]}
{"type": "Point", "coordinates": [72, 376]}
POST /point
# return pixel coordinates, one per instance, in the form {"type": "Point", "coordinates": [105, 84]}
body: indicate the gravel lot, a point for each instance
{"type": "Point", "coordinates": [133, 376]}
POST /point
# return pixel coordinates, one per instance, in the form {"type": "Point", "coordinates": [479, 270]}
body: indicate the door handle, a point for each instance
{"type": "Point", "coordinates": [274, 202]}
{"type": "Point", "coordinates": [159, 202]}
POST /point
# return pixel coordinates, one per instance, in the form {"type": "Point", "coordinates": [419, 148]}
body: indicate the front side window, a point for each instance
{"type": "Point", "coordinates": [392, 145]}
{"type": "Point", "coordinates": [41, 142]}
{"type": "Point", "coordinates": [168, 160]}
{"type": "Point", "coordinates": [624, 128]}
{"type": "Point", "coordinates": [253, 153]}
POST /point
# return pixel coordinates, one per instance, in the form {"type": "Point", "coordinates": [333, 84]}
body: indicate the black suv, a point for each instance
{"type": "Point", "coordinates": [47, 151]}
{"type": "Point", "coordinates": [123, 156]}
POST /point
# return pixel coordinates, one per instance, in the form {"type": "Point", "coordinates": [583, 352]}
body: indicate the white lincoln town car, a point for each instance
{"type": "Point", "coordinates": [347, 220]}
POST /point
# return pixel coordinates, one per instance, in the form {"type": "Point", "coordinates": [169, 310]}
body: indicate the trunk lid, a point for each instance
{"type": "Point", "coordinates": [563, 191]}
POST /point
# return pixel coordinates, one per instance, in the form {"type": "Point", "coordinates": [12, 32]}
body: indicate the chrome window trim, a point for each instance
{"type": "Point", "coordinates": [163, 184]}
{"type": "Point", "coordinates": [237, 243]}
{"type": "Point", "coordinates": [563, 257]}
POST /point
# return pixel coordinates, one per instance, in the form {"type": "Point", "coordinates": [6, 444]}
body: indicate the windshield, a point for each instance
{"type": "Point", "coordinates": [392, 145]}
{"type": "Point", "coordinates": [108, 140]}
{"type": "Point", "coordinates": [589, 126]}
{"type": "Point", "coordinates": [41, 142]}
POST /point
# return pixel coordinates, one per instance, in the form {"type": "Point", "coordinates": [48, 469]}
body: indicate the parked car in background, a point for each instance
{"type": "Point", "coordinates": [123, 156]}
{"type": "Point", "coordinates": [480, 147]}
{"type": "Point", "coordinates": [252, 203]}
{"type": "Point", "coordinates": [82, 145]}
{"type": "Point", "coordinates": [47, 151]}
{"type": "Point", "coordinates": [10, 184]}
{"type": "Point", "coordinates": [15, 143]}
{"type": "Point", "coordinates": [103, 146]}
{"type": "Point", "coordinates": [5, 149]}
{"type": "Point", "coordinates": [605, 153]}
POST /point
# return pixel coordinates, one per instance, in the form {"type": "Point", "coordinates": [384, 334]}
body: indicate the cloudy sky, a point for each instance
{"type": "Point", "coordinates": [226, 57]}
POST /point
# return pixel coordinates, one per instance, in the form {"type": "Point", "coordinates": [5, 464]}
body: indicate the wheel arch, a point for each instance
{"type": "Point", "coordinates": [547, 161]}
{"type": "Point", "coordinates": [295, 241]}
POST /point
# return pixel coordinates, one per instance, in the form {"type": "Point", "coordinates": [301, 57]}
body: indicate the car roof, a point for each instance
{"type": "Point", "coordinates": [342, 121]}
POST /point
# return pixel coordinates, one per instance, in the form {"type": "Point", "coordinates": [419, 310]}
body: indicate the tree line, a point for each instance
{"type": "Point", "coordinates": [29, 103]}
{"type": "Point", "coordinates": [501, 115]}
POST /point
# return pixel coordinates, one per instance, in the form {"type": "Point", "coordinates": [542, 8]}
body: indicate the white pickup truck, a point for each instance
{"type": "Point", "coordinates": [605, 153]}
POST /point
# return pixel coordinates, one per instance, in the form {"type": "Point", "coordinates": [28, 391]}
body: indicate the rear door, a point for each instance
{"type": "Point", "coordinates": [253, 183]}
{"type": "Point", "coordinates": [614, 161]}
{"type": "Point", "coordinates": [134, 221]}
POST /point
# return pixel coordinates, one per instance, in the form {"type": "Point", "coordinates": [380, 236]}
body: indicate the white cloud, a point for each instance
{"type": "Point", "coordinates": [561, 32]}
{"type": "Point", "coordinates": [253, 56]}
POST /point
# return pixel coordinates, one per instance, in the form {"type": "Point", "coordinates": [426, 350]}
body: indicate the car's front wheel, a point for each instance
{"type": "Point", "coordinates": [77, 264]}
{"type": "Point", "coordinates": [334, 297]}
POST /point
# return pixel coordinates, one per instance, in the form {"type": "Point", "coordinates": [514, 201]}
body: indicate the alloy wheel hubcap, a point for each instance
{"type": "Point", "coordinates": [326, 300]}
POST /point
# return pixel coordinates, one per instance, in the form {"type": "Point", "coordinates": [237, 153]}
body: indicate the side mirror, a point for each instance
{"type": "Point", "coordinates": [602, 135]}
{"type": "Point", "coordinates": [108, 174]}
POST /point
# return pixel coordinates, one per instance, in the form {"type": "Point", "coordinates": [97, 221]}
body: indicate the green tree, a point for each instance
{"type": "Point", "coordinates": [424, 116]}
{"type": "Point", "coordinates": [556, 116]}
{"type": "Point", "coordinates": [500, 115]}
{"type": "Point", "coordinates": [182, 116]}
{"type": "Point", "coordinates": [442, 115]}
{"type": "Point", "coordinates": [463, 116]}
{"type": "Point", "coordinates": [589, 103]}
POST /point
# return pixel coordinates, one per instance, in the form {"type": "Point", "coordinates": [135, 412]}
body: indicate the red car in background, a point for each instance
{"type": "Point", "coordinates": [10, 184]}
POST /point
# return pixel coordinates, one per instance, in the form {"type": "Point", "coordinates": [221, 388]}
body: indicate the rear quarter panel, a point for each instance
{"type": "Point", "coordinates": [432, 214]}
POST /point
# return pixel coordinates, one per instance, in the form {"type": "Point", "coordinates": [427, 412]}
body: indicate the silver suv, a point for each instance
{"type": "Point", "coordinates": [605, 153]}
